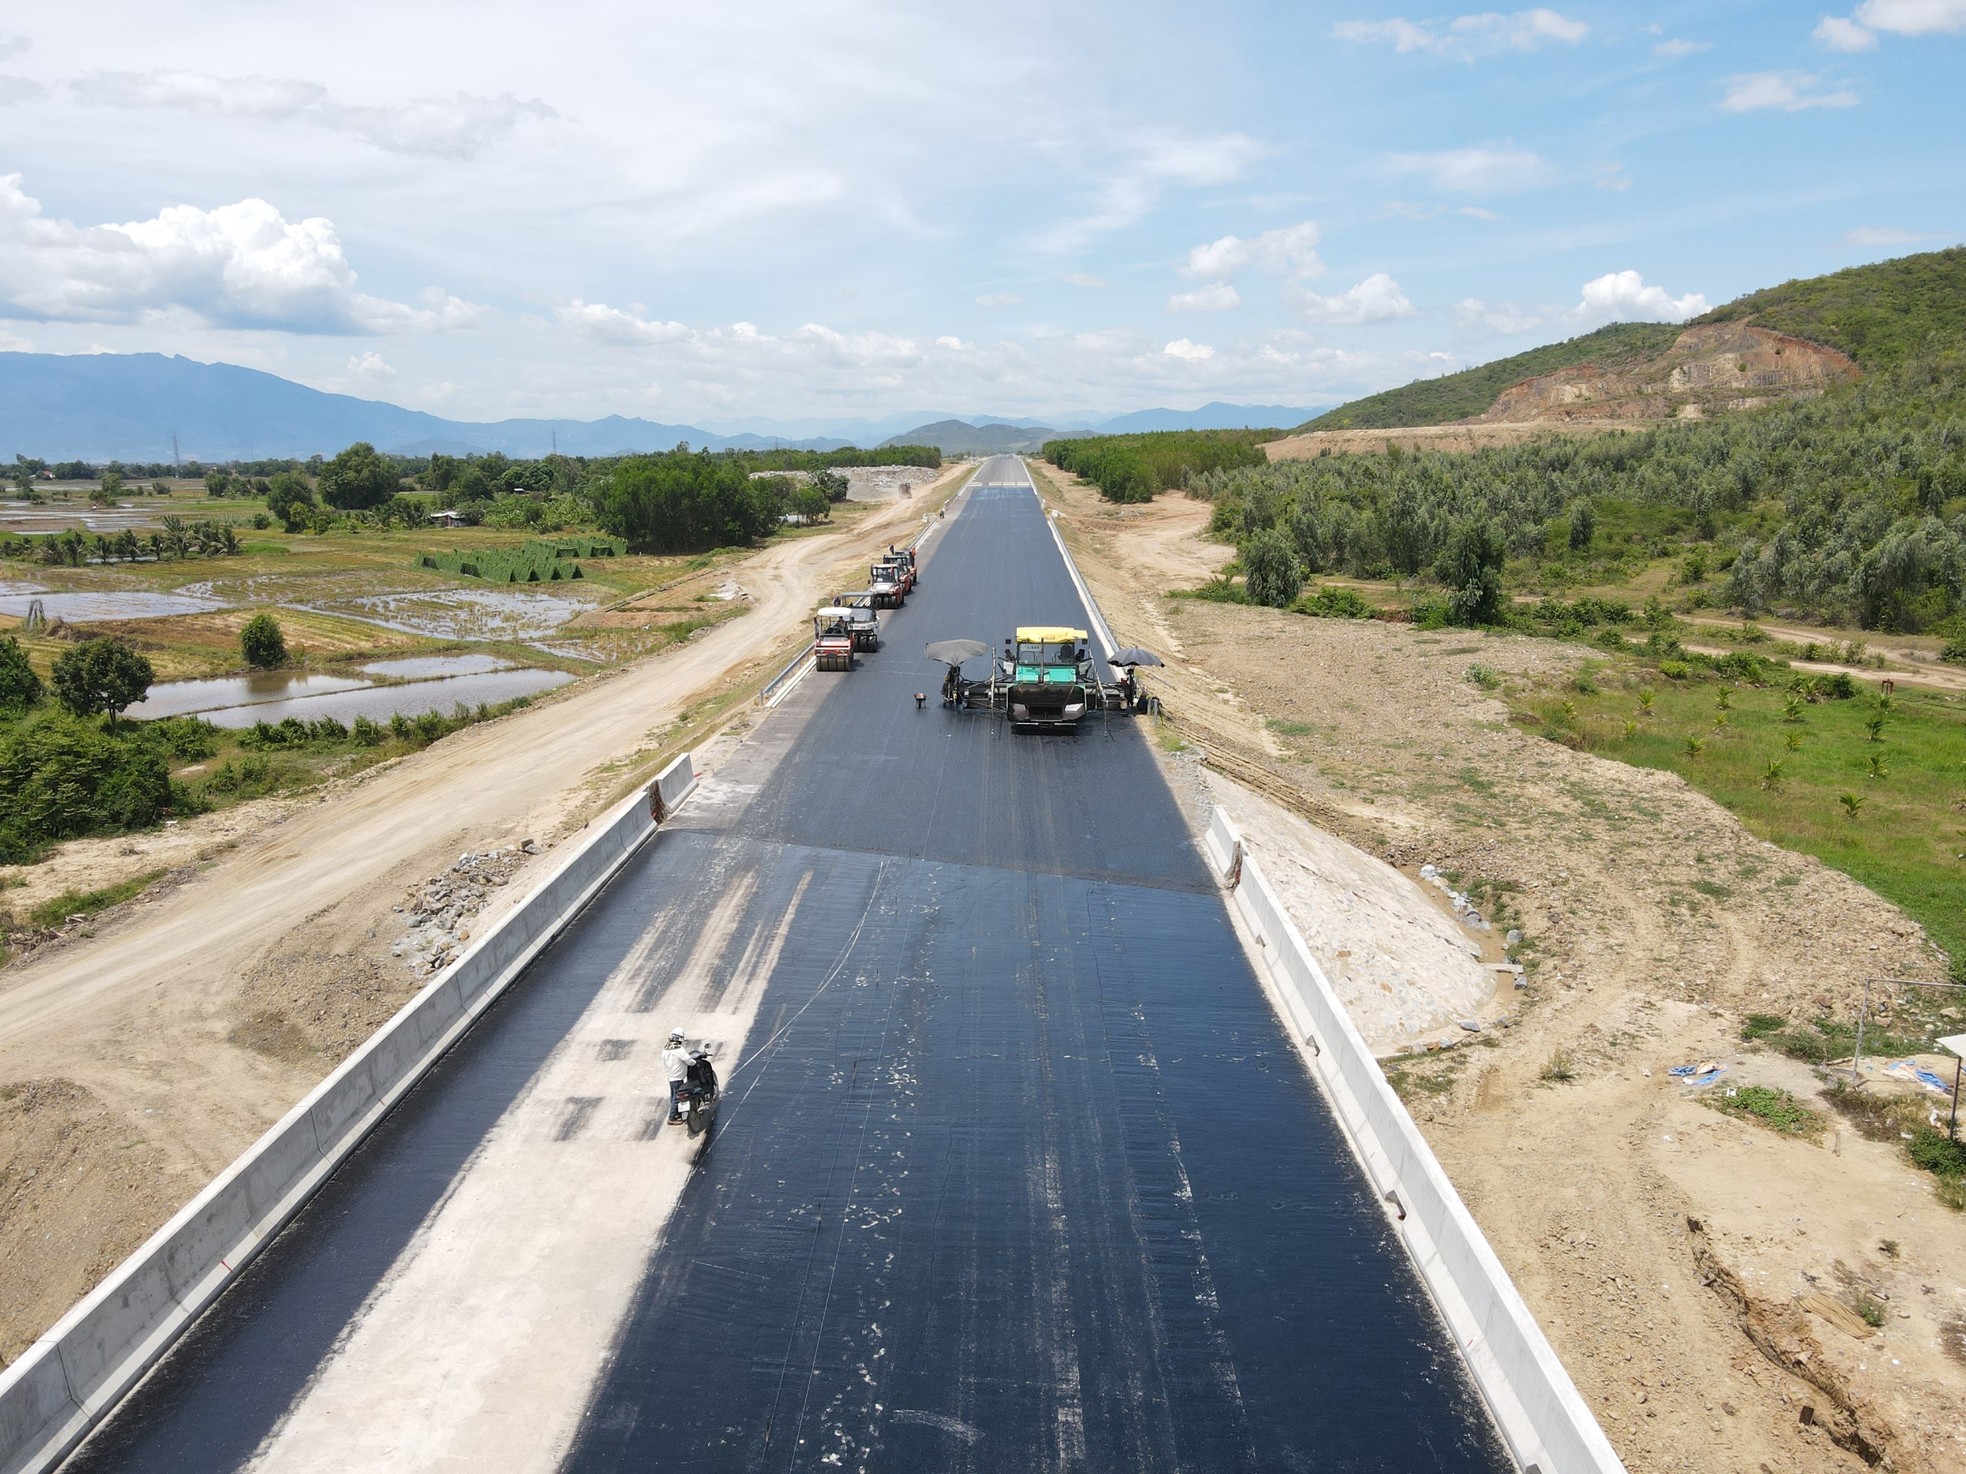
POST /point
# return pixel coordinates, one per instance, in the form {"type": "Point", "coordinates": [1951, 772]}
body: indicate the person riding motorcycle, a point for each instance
{"type": "Point", "coordinates": [675, 1064]}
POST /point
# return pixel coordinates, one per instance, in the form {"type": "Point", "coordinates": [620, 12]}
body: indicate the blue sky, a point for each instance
{"type": "Point", "coordinates": [780, 214]}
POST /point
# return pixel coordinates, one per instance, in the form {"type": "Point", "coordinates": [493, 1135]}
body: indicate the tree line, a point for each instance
{"type": "Point", "coordinates": [1136, 468]}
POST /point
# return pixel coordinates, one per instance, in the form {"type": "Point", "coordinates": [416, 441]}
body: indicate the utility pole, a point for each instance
{"type": "Point", "coordinates": [177, 461]}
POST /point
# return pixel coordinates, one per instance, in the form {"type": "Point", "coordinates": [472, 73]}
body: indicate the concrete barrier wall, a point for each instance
{"type": "Point", "coordinates": [70, 1378]}
{"type": "Point", "coordinates": [1543, 1417]}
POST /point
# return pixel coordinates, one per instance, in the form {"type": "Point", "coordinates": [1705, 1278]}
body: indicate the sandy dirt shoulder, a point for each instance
{"type": "Point", "coordinates": [139, 1058]}
{"type": "Point", "coordinates": [1694, 1271]}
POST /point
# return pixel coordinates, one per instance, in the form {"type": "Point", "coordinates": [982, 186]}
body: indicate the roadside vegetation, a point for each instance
{"type": "Point", "coordinates": [1137, 468]}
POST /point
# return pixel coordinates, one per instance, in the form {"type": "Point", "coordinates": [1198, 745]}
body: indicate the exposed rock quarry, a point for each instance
{"type": "Point", "coordinates": [1708, 370]}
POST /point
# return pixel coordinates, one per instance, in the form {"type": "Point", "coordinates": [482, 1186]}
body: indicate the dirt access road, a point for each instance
{"type": "Point", "coordinates": [137, 1062]}
{"type": "Point", "coordinates": [1656, 922]}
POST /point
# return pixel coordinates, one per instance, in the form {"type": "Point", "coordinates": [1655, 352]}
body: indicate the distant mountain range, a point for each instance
{"type": "Point", "coordinates": [127, 407]}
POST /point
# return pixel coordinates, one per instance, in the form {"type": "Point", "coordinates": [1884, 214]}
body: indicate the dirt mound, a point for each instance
{"type": "Point", "coordinates": [1708, 370]}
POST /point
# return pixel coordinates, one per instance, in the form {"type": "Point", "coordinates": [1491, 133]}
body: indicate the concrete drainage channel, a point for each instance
{"type": "Point", "coordinates": [71, 1378]}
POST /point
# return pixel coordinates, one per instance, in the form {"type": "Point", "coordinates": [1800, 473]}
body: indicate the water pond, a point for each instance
{"type": "Point", "coordinates": [429, 667]}
{"type": "Point", "coordinates": [463, 614]}
{"type": "Point", "coordinates": [185, 698]}
{"type": "Point", "coordinates": [81, 608]}
{"type": "Point", "coordinates": [348, 699]}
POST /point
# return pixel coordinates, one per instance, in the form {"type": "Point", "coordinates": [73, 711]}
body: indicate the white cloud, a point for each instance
{"type": "Point", "coordinates": [1876, 235]}
{"type": "Point", "coordinates": [1789, 91]}
{"type": "Point", "coordinates": [13, 45]}
{"type": "Point", "coordinates": [624, 328]}
{"type": "Point", "coordinates": [1405, 210]}
{"type": "Point", "coordinates": [1678, 47]}
{"type": "Point", "coordinates": [19, 89]}
{"type": "Point", "coordinates": [1468, 36]}
{"type": "Point", "coordinates": [1611, 176]}
{"type": "Point", "coordinates": [948, 342]}
{"type": "Point", "coordinates": [1081, 279]}
{"type": "Point", "coordinates": [370, 366]}
{"type": "Point", "coordinates": [1289, 250]}
{"type": "Point", "coordinates": [238, 266]}
{"type": "Point", "coordinates": [1841, 34]}
{"type": "Point", "coordinates": [1623, 296]}
{"type": "Point", "coordinates": [1376, 299]}
{"type": "Point", "coordinates": [458, 127]}
{"type": "Point", "coordinates": [1216, 296]}
{"type": "Point", "coordinates": [1478, 170]}
{"type": "Point", "coordinates": [1500, 317]}
{"type": "Point", "coordinates": [999, 299]}
{"type": "Point", "coordinates": [1192, 352]}
{"type": "Point", "coordinates": [1914, 17]}
{"type": "Point", "coordinates": [1143, 174]}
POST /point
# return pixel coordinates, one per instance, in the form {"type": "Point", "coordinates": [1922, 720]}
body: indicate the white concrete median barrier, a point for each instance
{"type": "Point", "coordinates": [1541, 1415]}
{"type": "Point", "coordinates": [72, 1376]}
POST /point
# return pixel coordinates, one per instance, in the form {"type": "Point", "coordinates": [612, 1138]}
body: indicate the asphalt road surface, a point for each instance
{"type": "Point", "coordinates": [1015, 1169]}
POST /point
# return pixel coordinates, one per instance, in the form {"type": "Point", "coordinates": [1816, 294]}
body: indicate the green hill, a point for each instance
{"type": "Point", "coordinates": [1456, 396]}
{"type": "Point", "coordinates": [1880, 315]}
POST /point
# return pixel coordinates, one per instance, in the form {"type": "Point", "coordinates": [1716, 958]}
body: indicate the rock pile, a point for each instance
{"type": "Point", "coordinates": [441, 909]}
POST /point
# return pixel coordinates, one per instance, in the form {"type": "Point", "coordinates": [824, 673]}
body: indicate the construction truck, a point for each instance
{"type": "Point", "coordinates": [1045, 679]}
{"type": "Point", "coordinates": [832, 639]}
{"type": "Point", "coordinates": [885, 584]}
{"type": "Point", "coordinates": [859, 604]}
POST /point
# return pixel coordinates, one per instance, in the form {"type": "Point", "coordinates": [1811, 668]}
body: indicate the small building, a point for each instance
{"type": "Point", "coordinates": [447, 518]}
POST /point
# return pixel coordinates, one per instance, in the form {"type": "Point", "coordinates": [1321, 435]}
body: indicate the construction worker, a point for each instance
{"type": "Point", "coordinates": [675, 1064]}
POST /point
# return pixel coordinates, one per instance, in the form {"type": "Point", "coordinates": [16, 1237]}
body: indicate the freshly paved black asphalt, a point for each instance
{"type": "Point", "coordinates": [1017, 1171]}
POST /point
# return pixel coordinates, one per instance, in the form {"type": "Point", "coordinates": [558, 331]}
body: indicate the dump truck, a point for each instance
{"type": "Point", "coordinates": [859, 604]}
{"type": "Point", "coordinates": [832, 639]}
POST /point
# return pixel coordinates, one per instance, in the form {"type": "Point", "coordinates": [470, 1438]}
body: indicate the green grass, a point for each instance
{"type": "Point", "coordinates": [1905, 838]}
{"type": "Point", "coordinates": [1879, 314]}
{"type": "Point", "coordinates": [56, 911]}
{"type": "Point", "coordinates": [1767, 1106]}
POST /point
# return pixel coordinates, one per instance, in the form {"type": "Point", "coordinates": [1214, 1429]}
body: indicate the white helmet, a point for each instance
{"type": "Point", "coordinates": [675, 1036]}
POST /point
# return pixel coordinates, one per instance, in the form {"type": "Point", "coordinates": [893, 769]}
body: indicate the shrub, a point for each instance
{"type": "Point", "coordinates": [1332, 602]}
{"type": "Point", "coordinates": [61, 779]}
{"type": "Point", "coordinates": [1938, 1153]}
{"type": "Point", "coordinates": [262, 642]}
{"type": "Point", "coordinates": [1272, 573]}
{"type": "Point", "coordinates": [20, 688]}
{"type": "Point", "coordinates": [1673, 670]}
{"type": "Point", "coordinates": [367, 733]}
{"type": "Point", "coordinates": [185, 738]}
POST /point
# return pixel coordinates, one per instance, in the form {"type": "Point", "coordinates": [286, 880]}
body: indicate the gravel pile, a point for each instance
{"type": "Point", "coordinates": [441, 909]}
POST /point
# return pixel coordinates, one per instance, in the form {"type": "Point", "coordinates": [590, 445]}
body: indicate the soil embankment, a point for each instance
{"type": "Point", "coordinates": [143, 1055]}
{"type": "Point", "coordinates": [1699, 1274]}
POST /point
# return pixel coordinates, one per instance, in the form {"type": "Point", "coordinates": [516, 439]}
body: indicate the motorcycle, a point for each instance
{"type": "Point", "coordinates": [696, 1102]}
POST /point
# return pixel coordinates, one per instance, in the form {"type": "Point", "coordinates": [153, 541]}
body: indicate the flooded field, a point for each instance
{"type": "Point", "coordinates": [239, 701]}
{"type": "Point", "coordinates": [463, 614]}
{"type": "Point", "coordinates": [430, 667]}
{"type": "Point", "coordinates": [25, 517]}
{"type": "Point", "coordinates": [80, 608]}
{"type": "Point", "coordinates": [187, 698]}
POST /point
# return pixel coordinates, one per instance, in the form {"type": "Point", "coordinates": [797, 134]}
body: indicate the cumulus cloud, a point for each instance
{"type": "Point", "coordinates": [1789, 91]}
{"type": "Point", "coordinates": [238, 266]}
{"type": "Point", "coordinates": [1840, 33]}
{"type": "Point", "coordinates": [1192, 352]}
{"type": "Point", "coordinates": [1289, 250]}
{"type": "Point", "coordinates": [1216, 296]}
{"type": "Point", "coordinates": [1376, 299]}
{"type": "Point", "coordinates": [623, 328]}
{"type": "Point", "coordinates": [1623, 296]}
{"type": "Point", "coordinates": [371, 366]}
{"type": "Point", "coordinates": [1479, 170]}
{"type": "Point", "coordinates": [1898, 17]}
{"type": "Point", "coordinates": [1469, 36]}
{"type": "Point", "coordinates": [459, 126]}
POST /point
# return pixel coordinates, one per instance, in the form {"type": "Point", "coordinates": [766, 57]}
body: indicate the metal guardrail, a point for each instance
{"type": "Point", "coordinates": [779, 685]}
